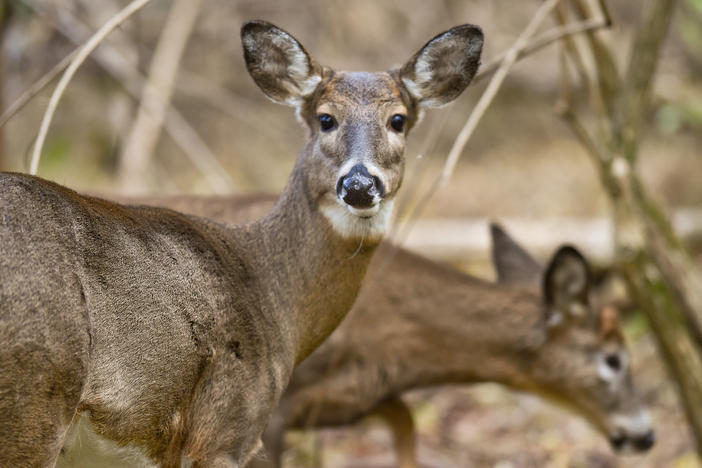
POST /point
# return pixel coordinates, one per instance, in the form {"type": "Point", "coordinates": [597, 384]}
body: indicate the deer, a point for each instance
{"type": "Point", "coordinates": [172, 337]}
{"type": "Point", "coordinates": [417, 323]}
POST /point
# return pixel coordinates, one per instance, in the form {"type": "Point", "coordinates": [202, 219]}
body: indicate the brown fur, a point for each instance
{"type": "Point", "coordinates": [173, 333]}
{"type": "Point", "coordinates": [417, 323]}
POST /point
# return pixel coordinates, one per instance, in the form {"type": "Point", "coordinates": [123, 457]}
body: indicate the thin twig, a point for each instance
{"type": "Point", "coordinates": [565, 109]}
{"type": "Point", "coordinates": [400, 232]}
{"type": "Point", "coordinates": [178, 128]}
{"type": "Point", "coordinates": [608, 82]}
{"type": "Point", "coordinates": [561, 16]}
{"type": "Point", "coordinates": [143, 137]}
{"type": "Point", "coordinates": [492, 88]}
{"type": "Point", "coordinates": [645, 53]}
{"type": "Point", "coordinates": [76, 62]}
{"type": "Point", "coordinates": [35, 88]}
{"type": "Point", "coordinates": [548, 37]}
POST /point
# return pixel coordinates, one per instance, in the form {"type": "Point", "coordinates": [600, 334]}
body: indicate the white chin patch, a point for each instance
{"type": "Point", "coordinates": [364, 212]}
{"type": "Point", "coordinates": [370, 224]}
{"type": "Point", "coordinates": [636, 424]}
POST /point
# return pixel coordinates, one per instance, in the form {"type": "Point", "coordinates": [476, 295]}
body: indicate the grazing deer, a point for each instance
{"type": "Point", "coordinates": [417, 323]}
{"type": "Point", "coordinates": [426, 325]}
{"type": "Point", "coordinates": [173, 336]}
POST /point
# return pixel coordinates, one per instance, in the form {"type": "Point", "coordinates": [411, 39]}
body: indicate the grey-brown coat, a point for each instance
{"type": "Point", "coordinates": [176, 335]}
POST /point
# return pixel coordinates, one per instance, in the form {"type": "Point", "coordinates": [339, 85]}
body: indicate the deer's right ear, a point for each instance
{"type": "Point", "coordinates": [278, 63]}
{"type": "Point", "coordinates": [566, 283]}
{"type": "Point", "coordinates": [442, 69]}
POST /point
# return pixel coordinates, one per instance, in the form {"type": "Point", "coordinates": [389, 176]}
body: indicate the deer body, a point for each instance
{"type": "Point", "coordinates": [417, 324]}
{"type": "Point", "coordinates": [175, 335]}
{"type": "Point", "coordinates": [144, 343]}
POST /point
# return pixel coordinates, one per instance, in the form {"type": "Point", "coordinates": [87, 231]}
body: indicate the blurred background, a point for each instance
{"type": "Point", "coordinates": [523, 166]}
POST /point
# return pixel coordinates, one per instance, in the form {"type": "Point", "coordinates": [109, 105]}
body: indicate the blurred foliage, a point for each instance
{"type": "Point", "coordinates": [57, 153]}
{"type": "Point", "coordinates": [683, 111]}
{"type": "Point", "coordinates": [674, 117]}
{"type": "Point", "coordinates": [637, 326]}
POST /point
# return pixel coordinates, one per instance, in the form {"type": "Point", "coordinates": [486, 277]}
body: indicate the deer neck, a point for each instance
{"type": "Point", "coordinates": [464, 330]}
{"type": "Point", "coordinates": [310, 274]}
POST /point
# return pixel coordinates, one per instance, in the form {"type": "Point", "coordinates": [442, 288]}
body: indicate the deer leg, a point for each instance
{"type": "Point", "coordinates": [224, 431]}
{"type": "Point", "coordinates": [273, 442]}
{"type": "Point", "coordinates": [36, 409]}
{"type": "Point", "coordinates": [43, 368]}
{"type": "Point", "coordinates": [399, 417]}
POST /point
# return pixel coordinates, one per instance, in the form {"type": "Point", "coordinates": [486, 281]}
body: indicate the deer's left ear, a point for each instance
{"type": "Point", "coordinates": [566, 283]}
{"type": "Point", "coordinates": [442, 69]}
{"type": "Point", "coordinates": [513, 264]}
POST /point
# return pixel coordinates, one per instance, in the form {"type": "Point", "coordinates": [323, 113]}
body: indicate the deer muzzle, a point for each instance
{"type": "Point", "coordinates": [360, 191]}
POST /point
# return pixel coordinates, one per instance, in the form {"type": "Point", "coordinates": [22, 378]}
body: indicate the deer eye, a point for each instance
{"type": "Point", "coordinates": [613, 361]}
{"type": "Point", "coordinates": [326, 122]}
{"type": "Point", "coordinates": [397, 122]}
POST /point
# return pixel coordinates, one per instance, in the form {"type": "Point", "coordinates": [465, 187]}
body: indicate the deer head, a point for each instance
{"type": "Point", "coordinates": [358, 121]}
{"type": "Point", "coordinates": [583, 360]}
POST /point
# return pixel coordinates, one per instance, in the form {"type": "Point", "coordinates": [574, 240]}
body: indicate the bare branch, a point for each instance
{"type": "Point", "coordinates": [683, 277]}
{"type": "Point", "coordinates": [543, 40]}
{"type": "Point", "coordinates": [604, 9]}
{"type": "Point", "coordinates": [400, 232]}
{"type": "Point", "coordinates": [76, 62]}
{"type": "Point", "coordinates": [650, 35]}
{"type": "Point", "coordinates": [158, 88]}
{"type": "Point", "coordinates": [35, 88]}
{"type": "Point", "coordinates": [662, 279]}
{"type": "Point", "coordinates": [561, 16]}
{"type": "Point", "coordinates": [564, 108]}
{"type": "Point", "coordinates": [113, 62]}
{"type": "Point", "coordinates": [492, 88]}
{"type": "Point", "coordinates": [607, 74]}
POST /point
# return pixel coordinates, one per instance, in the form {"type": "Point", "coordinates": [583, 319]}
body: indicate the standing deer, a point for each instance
{"type": "Point", "coordinates": [173, 337]}
{"type": "Point", "coordinates": [417, 324]}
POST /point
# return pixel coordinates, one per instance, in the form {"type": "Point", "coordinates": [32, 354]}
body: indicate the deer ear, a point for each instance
{"type": "Point", "coordinates": [512, 263]}
{"type": "Point", "coordinates": [278, 63]}
{"type": "Point", "coordinates": [566, 283]}
{"type": "Point", "coordinates": [442, 69]}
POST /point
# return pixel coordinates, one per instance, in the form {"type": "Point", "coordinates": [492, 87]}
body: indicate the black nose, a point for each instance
{"type": "Point", "coordinates": [640, 442]}
{"type": "Point", "coordinates": [358, 187]}
{"type": "Point", "coordinates": [645, 441]}
{"type": "Point", "coordinates": [618, 441]}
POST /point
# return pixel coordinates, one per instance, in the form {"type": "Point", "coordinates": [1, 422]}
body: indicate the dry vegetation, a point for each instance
{"type": "Point", "coordinates": [523, 161]}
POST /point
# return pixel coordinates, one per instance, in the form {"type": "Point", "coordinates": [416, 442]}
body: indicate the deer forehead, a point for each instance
{"type": "Point", "coordinates": [361, 91]}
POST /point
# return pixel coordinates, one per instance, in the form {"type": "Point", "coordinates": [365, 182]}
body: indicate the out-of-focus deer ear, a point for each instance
{"type": "Point", "coordinates": [567, 278]}
{"type": "Point", "coordinates": [513, 264]}
{"type": "Point", "coordinates": [441, 70]}
{"type": "Point", "coordinates": [278, 63]}
{"type": "Point", "coordinates": [566, 287]}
